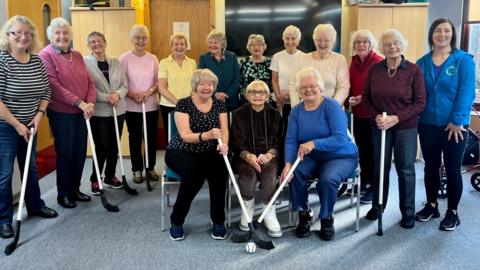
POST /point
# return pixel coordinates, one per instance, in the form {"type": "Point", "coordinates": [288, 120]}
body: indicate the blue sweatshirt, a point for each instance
{"type": "Point", "coordinates": [326, 126]}
{"type": "Point", "coordinates": [451, 94]}
{"type": "Point", "coordinates": [228, 73]}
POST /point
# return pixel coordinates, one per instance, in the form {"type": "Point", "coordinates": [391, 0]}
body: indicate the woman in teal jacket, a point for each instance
{"type": "Point", "coordinates": [449, 75]}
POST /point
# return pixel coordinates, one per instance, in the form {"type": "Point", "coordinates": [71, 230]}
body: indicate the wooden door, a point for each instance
{"type": "Point", "coordinates": [412, 23]}
{"type": "Point", "coordinates": [164, 12]}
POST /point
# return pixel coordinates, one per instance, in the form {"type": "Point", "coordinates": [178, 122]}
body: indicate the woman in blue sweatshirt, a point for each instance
{"type": "Point", "coordinates": [317, 133]}
{"type": "Point", "coordinates": [449, 75]}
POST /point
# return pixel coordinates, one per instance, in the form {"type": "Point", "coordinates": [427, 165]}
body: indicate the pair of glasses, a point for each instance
{"type": "Point", "coordinates": [307, 87]}
{"type": "Point", "coordinates": [140, 38]}
{"type": "Point", "coordinates": [358, 42]}
{"type": "Point", "coordinates": [20, 33]}
{"type": "Point", "coordinates": [324, 41]}
{"type": "Point", "coordinates": [257, 92]}
{"type": "Point", "coordinates": [391, 44]}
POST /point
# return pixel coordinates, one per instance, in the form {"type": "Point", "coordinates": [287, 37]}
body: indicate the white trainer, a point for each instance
{"type": "Point", "coordinates": [250, 205]}
{"type": "Point", "coordinates": [271, 222]}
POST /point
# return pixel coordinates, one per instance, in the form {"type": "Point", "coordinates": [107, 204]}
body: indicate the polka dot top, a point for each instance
{"type": "Point", "coordinates": [199, 122]}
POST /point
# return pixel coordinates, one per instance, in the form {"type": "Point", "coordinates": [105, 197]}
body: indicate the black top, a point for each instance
{"type": "Point", "coordinates": [103, 66]}
{"type": "Point", "coordinates": [199, 122]}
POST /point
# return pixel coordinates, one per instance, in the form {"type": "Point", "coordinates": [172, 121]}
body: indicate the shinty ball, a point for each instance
{"type": "Point", "coordinates": [251, 247]}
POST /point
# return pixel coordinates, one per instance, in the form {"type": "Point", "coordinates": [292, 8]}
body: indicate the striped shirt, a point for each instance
{"type": "Point", "coordinates": [22, 86]}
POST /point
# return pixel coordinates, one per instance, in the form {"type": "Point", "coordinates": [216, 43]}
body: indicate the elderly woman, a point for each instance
{"type": "Point", "coordinates": [449, 75]}
{"type": "Point", "coordinates": [256, 66]}
{"type": "Point", "coordinates": [24, 95]}
{"type": "Point", "coordinates": [175, 73]}
{"type": "Point", "coordinates": [73, 97]}
{"type": "Point", "coordinates": [256, 141]}
{"type": "Point", "coordinates": [363, 58]}
{"type": "Point", "coordinates": [195, 155]}
{"type": "Point", "coordinates": [141, 68]}
{"type": "Point", "coordinates": [111, 87]}
{"type": "Point", "coordinates": [283, 69]}
{"type": "Point", "coordinates": [401, 94]}
{"type": "Point", "coordinates": [224, 65]}
{"type": "Point", "coordinates": [332, 66]}
{"type": "Point", "coordinates": [328, 153]}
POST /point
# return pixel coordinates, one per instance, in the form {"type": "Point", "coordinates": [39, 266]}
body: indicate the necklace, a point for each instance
{"type": "Point", "coordinates": [390, 75]}
{"type": "Point", "coordinates": [67, 59]}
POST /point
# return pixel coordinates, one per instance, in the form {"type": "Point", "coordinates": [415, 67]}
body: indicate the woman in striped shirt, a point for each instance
{"type": "Point", "coordinates": [24, 96]}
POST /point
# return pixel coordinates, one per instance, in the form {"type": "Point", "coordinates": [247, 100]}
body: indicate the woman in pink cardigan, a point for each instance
{"type": "Point", "coordinates": [73, 97]}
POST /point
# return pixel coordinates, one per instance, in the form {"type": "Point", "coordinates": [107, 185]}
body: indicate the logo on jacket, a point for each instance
{"type": "Point", "coordinates": [451, 70]}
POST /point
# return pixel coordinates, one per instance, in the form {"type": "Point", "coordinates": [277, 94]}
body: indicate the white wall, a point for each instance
{"type": "Point", "coordinates": [451, 9]}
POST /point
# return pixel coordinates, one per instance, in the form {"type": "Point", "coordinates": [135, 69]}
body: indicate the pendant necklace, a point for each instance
{"type": "Point", "coordinates": [66, 59]}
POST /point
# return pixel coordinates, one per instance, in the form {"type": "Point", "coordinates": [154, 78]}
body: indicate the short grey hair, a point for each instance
{"type": "Point", "coordinates": [219, 36]}
{"type": "Point", "coordinates": [58, 22]}
{"type": "Point", "coordinates": [205, 74]}
{"type": "Point", "coordinates": [396, 35]}
{"type": "Point", "coordinates": [258, 83]}
{"type": "Point", "coordinates": [292, 30]}
{"type": "Point", "coordinates": [258, 38]}
{"type": "Point", "coordinates": [328, 30]}
{"type": "Point", "coordinates": [137, 29]}
{"type": "Point", "coordinates": [309, 72]}
{"type": "Point", "coordinates": [178, 36]}
{"type": "Point", "coordinates": [7, 27]}
{"type": "Point", "coordinates": [364, 33]}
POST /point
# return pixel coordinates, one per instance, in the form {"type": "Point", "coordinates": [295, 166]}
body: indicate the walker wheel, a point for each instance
{"type": "Point", "coordinates": [475, 180]}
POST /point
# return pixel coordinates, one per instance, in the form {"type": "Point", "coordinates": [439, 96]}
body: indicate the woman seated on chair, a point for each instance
{"type": "Point", "coordinates": [317, 134]}
{"type": "Point", "coordinates": [195, 155]}
{"type": "Point", "coordinates": [256, 139]}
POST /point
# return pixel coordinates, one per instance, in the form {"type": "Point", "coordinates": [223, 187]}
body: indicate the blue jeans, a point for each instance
{"type": "Point", "coordinates": [329, 174]}
{"type": "Point", "coordinates": [70, 138]}
{"type": "Point", "coordinates": [434, 142]}
{"type": "Point", "coordinates": [13, 146]}
{"type": "Point", "coordinates": [403, 144]}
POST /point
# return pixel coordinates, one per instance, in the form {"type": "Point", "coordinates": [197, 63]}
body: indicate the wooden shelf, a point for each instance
{"type": "Point", "coordinates": [100, 8]}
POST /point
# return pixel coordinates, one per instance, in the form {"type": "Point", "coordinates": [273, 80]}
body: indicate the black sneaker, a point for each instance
{"type": "Point", "coordinates": [428, 212]}
{"type": "Point", "coordinates": [367, 197]}
{"type": "Point", "coordinates": [113, 182]}
{"type": "Point", "coordinates": [219, 232]}
{"type": "Point", "coordinates": [176, 232]}
{"type": "Point", "coordinates": [408, 222]}
{"type": "Point", "coordinates": [327, 231]}
{"type": "Point", "coordinates": [304, 221]}
{"type": "Point", "coordinates": [95, 188]}
{"type": "Point", "coordinates": [373, 213]}
{"type": "Point", "coordinates": [450, 222]}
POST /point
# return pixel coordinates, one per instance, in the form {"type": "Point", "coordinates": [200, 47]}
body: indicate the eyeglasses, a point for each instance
{"type": "Point", "coordinates": [307, 87]}
{"type": "Point", "coordinates": [358, 42]}
{"type": "Point", "coordinates": [20, 33]}
{"type": "Point", "coordinates": [396, 43]}
{"type": "Point", "coordinates": [137, 38]}
{"type": "Point", "coordinates": [257, 92]}
{"type": "Point", "coordinates": [324, 41]}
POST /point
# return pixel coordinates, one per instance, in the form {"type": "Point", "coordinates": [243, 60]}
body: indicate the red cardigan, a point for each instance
{"type": "Point", "coordinates": [358, 75]}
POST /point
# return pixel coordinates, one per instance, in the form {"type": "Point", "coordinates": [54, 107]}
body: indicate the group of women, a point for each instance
{"type": "Point", "coordinates": [261, 93]}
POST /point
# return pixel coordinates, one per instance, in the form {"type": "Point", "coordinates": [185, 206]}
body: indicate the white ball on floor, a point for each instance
{"type": "Point", "coordinates": [251, 247]}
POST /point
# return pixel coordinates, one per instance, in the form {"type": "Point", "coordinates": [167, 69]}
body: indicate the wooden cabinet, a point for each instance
{"type": "Point", "coordinates": [114, 23]}
{"type": "Point", "coordinates": [409, 19]}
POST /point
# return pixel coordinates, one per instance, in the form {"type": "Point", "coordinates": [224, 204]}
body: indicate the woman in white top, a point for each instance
{"type": "Point", "coordinates": [283, 69]}
{"type": "Point", "coordinates": [332, 66]}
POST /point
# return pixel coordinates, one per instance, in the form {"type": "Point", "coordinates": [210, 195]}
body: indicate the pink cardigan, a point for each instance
{"type": "Point", "coordinates": [69, 80]}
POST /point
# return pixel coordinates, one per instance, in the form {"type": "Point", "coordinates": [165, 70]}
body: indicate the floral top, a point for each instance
{"type": "Point", "coordinates": [251, 71]}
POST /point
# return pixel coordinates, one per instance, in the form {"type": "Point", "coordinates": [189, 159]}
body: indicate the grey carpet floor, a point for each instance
{"type": "Point", "coordinates": [89, 237]}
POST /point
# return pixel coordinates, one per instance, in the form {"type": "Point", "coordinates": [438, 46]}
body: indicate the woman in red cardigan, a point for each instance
{"type": "Point", "coordinates": [363, 58]}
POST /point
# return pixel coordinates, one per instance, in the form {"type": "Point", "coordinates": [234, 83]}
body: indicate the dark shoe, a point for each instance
{"type": "Point", "coordinates": [153, 176]}
{"type": "Point", "coordinates": [219, 232]}
{"type": "Point", "coordinates": [428, 212]}
{"type": "Point", "coordinates": [367, 197]}
{"type": "Point", "coordinates": [408, 222]}
{"type": "Point", "coordinates": [176, 232]}
{"type": "Point", "coordinates": [373, 213]}
{"type": "Point", "coordinates": [304, 222]}
{"type": "Point", "coordinates": [80, 197]}
{"type": "Point", "coordinates": [327, 231]}
{"type": "Point", "coordinates": [95, 188]}
{"type": "Point", "coordinates": [66, 202]}
{"type": "Point", "coordinates": [45, 212]}
{"type": "Point", "coordinates": [113, 182]}
{"type": "Point", "coordinates": [6, 231]}
{"type": "Point", "coordinates": [450, 222]}
{"type": "Point", "coordinates": [363, 189]}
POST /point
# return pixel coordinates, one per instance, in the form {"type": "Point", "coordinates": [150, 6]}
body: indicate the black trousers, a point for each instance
{"type": "Point", "coordinates": [194, 168]}
{"type": "Point", "coordinates": [135, 138]}
{"type": "Point", "coordinates": [103, 130]}
{"type": "Point", "coordinates": [362, 130]}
